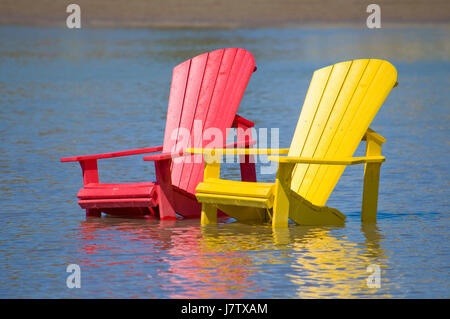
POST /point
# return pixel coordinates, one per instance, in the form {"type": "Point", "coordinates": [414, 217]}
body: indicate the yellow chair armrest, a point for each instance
{"type": "Point", "coordinates": [328, 161]}
{"type": "Point", "coordinates": [372, 135]}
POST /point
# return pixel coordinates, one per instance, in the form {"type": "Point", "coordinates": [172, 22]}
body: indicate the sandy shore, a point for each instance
{"type": "Point", "coordinates": [220, 13]}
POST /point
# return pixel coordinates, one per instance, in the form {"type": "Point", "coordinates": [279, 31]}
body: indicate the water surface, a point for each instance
{"type": "Point", "coordinates": [66, 92]}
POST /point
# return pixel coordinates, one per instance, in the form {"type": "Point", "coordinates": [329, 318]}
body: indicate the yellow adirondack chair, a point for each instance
{"type": "Point", "coordinates": [341, 102]}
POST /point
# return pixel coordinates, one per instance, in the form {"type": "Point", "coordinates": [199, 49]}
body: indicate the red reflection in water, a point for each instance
{"type": "Point", "coordinates": [216, 273]}
{"type": "Point", "coordinates": [197, 267]}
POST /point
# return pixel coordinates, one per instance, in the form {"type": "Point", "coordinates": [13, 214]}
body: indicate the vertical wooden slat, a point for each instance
{"type": "Point", "coordinates": [193, 87]}
{"type": "Point", "coordinates": [176, 99]}
{"type": "Point", "coordinates": [229, 106]}
{"type": "Point", "coordinates": [309, 109]}
{"type": "Point", "coordinates": [324, 109]}
{"type": "Point", "coordinates": [345, 96]}
{"type": "Point", "coordinates": [219, 90]}
{"type": "Point", "coordinates": [195, 170]}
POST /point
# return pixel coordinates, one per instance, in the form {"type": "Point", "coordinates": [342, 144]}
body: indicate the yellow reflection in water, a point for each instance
{"type": "Point", "coordinates": [329, 266]}
{"type": "Point", "coordinates": [325, 265]}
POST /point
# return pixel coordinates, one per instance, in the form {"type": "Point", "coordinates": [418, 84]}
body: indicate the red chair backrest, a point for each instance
{"type": "Point", "coordinates": [207, 88]}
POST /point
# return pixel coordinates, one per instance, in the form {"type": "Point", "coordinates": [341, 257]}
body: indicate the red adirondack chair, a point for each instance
{"type": "Point", "coordinates": [208, 89]}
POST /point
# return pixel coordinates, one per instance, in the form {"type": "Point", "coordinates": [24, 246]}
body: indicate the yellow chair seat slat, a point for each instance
{"type": "Point", "coordinates": [227, 187]}
{"type": "Point", "coordinates": [232, 200]}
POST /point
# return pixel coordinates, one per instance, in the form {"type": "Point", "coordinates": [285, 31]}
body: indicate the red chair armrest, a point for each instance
{"type": "Point", "coordinates": [113, 154]}
{"type": "Point", "coordinates": [164, 156]}
{"type": "Point", "coordinates": [242, 121]}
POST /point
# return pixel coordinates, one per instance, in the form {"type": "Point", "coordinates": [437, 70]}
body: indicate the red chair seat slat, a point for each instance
{"type": "Point", "coordinates": [110, 191]}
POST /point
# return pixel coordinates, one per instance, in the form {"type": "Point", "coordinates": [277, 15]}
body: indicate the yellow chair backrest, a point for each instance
{"type": "Point", "coordinates": [341, 102]}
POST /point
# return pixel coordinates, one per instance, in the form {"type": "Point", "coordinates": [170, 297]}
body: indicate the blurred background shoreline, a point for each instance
{"type": "Point", "coordinates": [223, 14]}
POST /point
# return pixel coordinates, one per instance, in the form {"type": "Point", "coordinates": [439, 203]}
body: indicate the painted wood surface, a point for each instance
{"type": "Point", "coordinates": [341, 102]}
{"type": "Point", "coordinates": [205, 90]}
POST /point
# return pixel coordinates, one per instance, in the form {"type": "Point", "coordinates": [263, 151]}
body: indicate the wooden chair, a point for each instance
{"type": "Point", "coordinates": [205, 93]}
{"type": "Point", "coordinates": [341, 102]}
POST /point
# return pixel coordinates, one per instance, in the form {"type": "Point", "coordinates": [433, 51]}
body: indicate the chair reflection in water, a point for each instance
{"type": "Point", "coordinates": [207, 262]}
